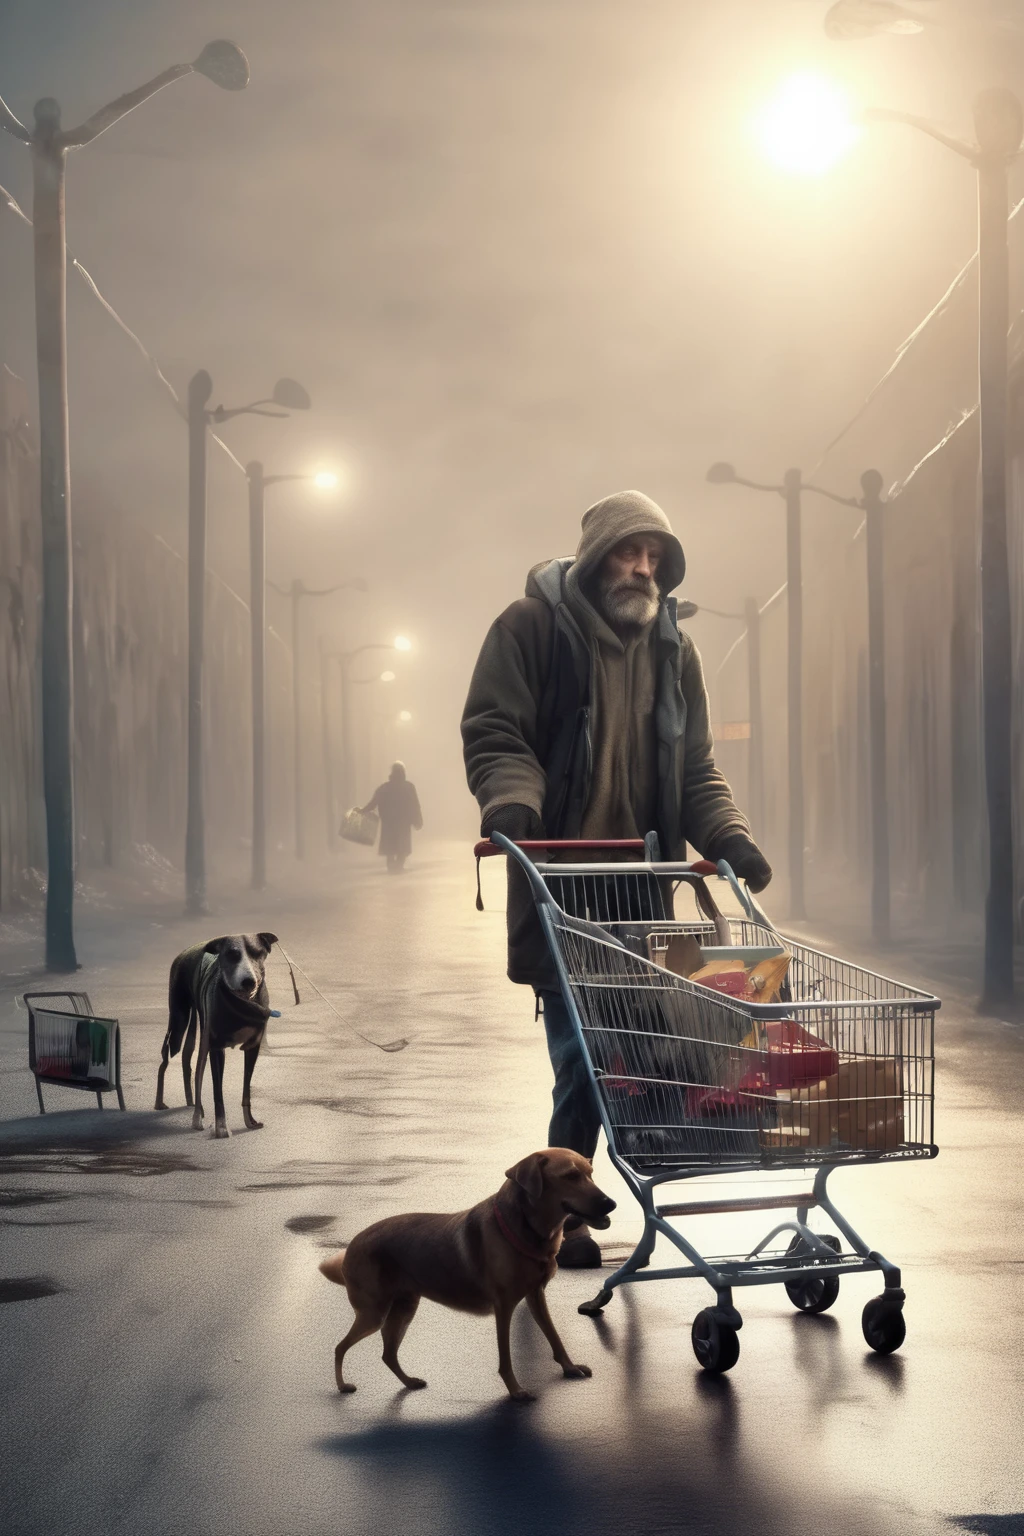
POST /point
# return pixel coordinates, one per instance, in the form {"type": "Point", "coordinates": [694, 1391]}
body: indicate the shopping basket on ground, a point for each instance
{"type": "Point", "coordinates": [691, 1081]}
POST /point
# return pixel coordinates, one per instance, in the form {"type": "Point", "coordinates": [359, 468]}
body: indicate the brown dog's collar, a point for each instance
{"type": "Point", "coordinates": [507, 1233]}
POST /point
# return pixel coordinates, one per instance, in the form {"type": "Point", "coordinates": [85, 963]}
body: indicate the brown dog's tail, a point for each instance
{"type": "Point", "coordinates": [334, 1268]}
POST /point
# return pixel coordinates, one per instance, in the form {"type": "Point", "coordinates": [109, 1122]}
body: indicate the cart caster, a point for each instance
{"type": "Point", "coordinates": [593, 1308]}
{"type": "Point", "coordinates": [884, 1325]}
{"type": "Point", "coordinates": [716, 1346]}
{"type": "Point", "coordinates": [814, 1293]}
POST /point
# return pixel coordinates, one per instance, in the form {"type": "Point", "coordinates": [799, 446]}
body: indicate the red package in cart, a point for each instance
{"type": "Point", "coordinates": [787, 1056]}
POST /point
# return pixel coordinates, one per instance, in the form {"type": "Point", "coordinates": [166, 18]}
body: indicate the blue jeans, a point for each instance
{"type": "Point", "coordinates": [575, 1122]}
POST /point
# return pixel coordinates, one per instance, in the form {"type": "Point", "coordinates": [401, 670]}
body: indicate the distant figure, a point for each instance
{"type": "Point", "coordinates": [398, 806]}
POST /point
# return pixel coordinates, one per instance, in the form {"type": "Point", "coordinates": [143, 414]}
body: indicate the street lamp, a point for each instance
{"type": "Point", "coordinates": [808, 126]}
{"type": "Point", "coordinates": [872, 505]}
{"type": "Point", "coordinates": [292, 397]}
{"type": "Point", "coordinates": [226, 65]}
{"type": "Point", "coordinates": [345, 660]}
{"type": "Point", "coordinates": [258, 482]}
{"type": "Point", "coordinates": [297, 591]}
{"type": "Point", "coordinates": [999, 130]}
{"type": "Point", "coordinates": [751, 618]}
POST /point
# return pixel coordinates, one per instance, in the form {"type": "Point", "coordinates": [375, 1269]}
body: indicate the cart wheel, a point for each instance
{"type": "Point", "coordinates": [884, 1326]}
{"type": "Point", "coordinates": [814, 1293]}
{"type": "Point", "coordinates": [716, 1346]}
{"type": "Point", "coordinates": [592, 1308]}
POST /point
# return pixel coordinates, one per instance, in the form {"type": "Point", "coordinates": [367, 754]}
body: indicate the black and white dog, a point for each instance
{"type": "Point", "coordinates": [218, 987]}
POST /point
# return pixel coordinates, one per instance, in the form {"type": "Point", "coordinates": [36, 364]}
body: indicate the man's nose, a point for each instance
{"type": "Point", "coordinates": [643, 565]}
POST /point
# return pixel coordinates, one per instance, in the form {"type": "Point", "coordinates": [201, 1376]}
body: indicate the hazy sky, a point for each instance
{"type": "Point", "coordinates": [522, 253]}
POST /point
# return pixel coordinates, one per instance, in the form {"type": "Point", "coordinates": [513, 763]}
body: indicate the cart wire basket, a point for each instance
{"type": "Point", "coordinates": [691, 1081]}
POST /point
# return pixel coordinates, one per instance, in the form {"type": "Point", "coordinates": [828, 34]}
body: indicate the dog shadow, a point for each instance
{"type": "Point", "coordinates": [510, 1469]}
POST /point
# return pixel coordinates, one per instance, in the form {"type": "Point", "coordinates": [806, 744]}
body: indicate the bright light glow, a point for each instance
{"type": "Point", "coordinates": [404, 716]}
{"type": "Point", "coordinates": [402, 643]}
{"type": "Point", "coordinates": [808, 126]}
{"type": "Point", "coordinates": [387, 677]}
{"type": "Point", "coordinates": [325, 480]}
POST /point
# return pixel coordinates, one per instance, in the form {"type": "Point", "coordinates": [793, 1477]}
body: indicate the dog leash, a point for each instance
{"type": "Point", "coordinates": [389, 1045]}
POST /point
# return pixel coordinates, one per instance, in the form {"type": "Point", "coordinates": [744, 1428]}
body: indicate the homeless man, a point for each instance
{"type": "Point", "coordinates": [587, 717]}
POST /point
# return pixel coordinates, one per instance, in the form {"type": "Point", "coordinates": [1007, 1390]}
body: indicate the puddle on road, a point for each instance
{"type": "Point", "coordinates": [19, 1197]}
{"type": "Point", "coordinates": [299, 1174]}
{"type": "Point", "coordinates": [368, 1109]}
{"type": "Point", "coordinates": [310, 1223]}
{"type": "Point", "coordinates": [101, 1157]}
{"type": "Point", "coordinates": [29, 1289]}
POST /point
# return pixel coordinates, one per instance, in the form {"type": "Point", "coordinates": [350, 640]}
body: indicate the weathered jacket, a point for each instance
{"type": "Point", "coordinates": [526, 734]}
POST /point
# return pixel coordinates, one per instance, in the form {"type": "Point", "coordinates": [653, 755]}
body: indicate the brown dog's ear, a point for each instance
{"type": "Point", "coordinates": [268, 940]}
{"type": "Point", "coordinates": [215, 945]}
{"type": "Point", "coordinates": [528, 1173]}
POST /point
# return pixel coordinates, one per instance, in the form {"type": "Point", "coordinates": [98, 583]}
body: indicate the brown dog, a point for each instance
{"type": "Point", "coordinates": [483, 1260]}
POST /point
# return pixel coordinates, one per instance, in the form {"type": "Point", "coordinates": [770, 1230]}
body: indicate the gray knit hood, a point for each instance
{"type": "Point", "coordinates": [615, 518]}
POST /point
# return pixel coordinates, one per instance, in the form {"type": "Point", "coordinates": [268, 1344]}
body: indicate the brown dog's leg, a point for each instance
{"type": "Point", "coordinates": [367, 1321]}
{"type": "Point", "coordinates": [538, 1305]}
{"type": "Point", "coordinates": [503, 1317]}
{"type": "Point", "coordinates": [400, 1315]}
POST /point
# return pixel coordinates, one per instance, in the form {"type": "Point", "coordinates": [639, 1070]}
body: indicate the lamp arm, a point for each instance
{"type": "Point", "coordinates": [756, 485]}
{"type": "Point", "coordinates": [844, 501]}
{"type": "Point", "coordinates": [225, 413]}
{"type": "Point", "coordinates": [107, 116]}
{"type": "Point", "coordinates": [12, 125]}
{"type": "Point", "coordinates": [888, 115]}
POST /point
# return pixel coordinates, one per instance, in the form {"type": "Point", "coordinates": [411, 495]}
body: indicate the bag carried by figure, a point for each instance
{"type": "Point", "coordinates": [360, 827]}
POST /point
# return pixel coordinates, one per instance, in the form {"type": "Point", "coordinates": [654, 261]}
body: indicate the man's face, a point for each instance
{"type": "Point", "coordinates": [627, 581]}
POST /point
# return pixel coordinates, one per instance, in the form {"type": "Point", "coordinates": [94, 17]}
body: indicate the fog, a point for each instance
{"type": "Point", "coordinates": [521, 255]}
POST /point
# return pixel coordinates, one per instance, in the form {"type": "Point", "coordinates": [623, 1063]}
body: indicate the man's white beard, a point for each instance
{"type": "Point", "coordinates": [630, 602]}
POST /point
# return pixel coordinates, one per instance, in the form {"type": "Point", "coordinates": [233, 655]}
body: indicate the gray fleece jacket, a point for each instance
{"type": "Point", "coordinates": [553, 682]}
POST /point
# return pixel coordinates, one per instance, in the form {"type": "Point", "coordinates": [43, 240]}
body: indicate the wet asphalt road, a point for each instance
{"type": "Point", "coordinates": [178, 1377]}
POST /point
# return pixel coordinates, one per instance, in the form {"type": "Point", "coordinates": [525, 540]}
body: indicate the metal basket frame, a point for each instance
{"type": "Point", "coordinates": [628, 911]}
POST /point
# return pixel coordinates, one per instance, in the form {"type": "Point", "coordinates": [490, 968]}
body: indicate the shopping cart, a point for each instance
{"type": "Point", "coordinates": [693, 1082]}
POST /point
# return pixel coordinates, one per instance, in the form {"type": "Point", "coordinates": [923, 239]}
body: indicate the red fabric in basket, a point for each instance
{"type": "Point", "coordinates": [794, 1058]}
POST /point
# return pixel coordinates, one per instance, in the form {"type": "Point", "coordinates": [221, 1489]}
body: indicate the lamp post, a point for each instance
{"type": "Point", "coordinates": [293, 397]}
{"type": "Point", "coordinates": [871, 504]}
{"type": "Point", "coordinates": [345, 660]}
{"type": "Point", "coordinates": [751, 619]}
{"type": "Point", "coordinates": [297, 591]}
{"type": "Point", "coordinates": [258, 482]}
{"type": "Point", "coordinates": [999, 129]}
{"type": "Point", "coordinates": [224, 64]}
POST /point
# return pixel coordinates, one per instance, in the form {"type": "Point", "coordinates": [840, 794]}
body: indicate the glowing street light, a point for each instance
{"type": "Point", "coordinates": [325, 480]}
{"type": "Point", "coordinates": [387, 677]}
{"type": "Point", "coordinates": [402, 643]}
{"type": "Point", "coordinates": [404, 716]}
{"type": "Point", "coordinates": [808, 126]}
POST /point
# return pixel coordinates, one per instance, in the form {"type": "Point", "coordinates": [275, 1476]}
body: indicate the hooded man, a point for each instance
{"type": "Point", "coordinates": [587, 717]}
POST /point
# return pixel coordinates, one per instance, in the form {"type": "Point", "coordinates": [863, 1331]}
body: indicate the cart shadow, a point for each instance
{"type": "Point", "coordinates": [504, 1474]}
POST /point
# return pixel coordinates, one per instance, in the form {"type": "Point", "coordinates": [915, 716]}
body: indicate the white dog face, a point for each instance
{"type": "Point", "coordinates": [243, 960]}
